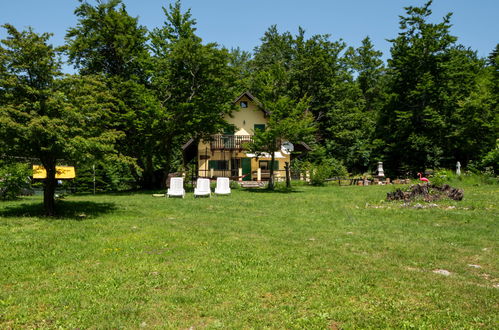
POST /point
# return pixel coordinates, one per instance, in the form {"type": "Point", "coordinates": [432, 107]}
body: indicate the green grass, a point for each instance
{"type": "Point", "coordinates": [327, 257]}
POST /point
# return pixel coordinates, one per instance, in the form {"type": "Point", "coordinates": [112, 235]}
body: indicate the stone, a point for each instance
{"type": "Point", "coordinates": [442, 272]}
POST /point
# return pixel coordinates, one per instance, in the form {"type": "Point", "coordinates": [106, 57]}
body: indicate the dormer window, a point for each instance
{"type": "Point", "coordinates": [243, 104]}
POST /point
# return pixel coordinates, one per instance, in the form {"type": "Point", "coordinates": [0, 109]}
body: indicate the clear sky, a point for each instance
{"type": "Point", "coordinates": [234, 23]}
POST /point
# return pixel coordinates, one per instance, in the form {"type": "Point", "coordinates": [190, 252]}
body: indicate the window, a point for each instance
{"type": "Point", "coordinates": [218, 164]}
{"type": "Point", "coordinates": [264, 165]}
{"type": "Point", "coordinates": [259, 127]}
{"type": "Point", "coordinates": [243, 104]}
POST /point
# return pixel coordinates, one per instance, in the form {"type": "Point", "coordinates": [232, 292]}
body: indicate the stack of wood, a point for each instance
{"type": "Point", "coordinates": [428, 192]}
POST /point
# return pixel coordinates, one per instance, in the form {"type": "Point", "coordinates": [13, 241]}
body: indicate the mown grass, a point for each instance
{"type": "Point", "coordinates": [327, 257]}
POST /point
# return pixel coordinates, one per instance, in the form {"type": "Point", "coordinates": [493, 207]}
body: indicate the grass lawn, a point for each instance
{"type": "Point", "coordinates": [327, 257]}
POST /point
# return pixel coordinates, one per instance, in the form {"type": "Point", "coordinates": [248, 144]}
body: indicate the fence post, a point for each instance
{"type": "Point", "coordinates": [259, 174]}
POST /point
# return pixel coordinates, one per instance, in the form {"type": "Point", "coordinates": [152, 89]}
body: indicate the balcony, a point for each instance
{"type": "Point", "coordinates": [229, 142]}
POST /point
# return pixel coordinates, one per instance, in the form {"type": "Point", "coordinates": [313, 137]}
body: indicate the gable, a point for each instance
{"type": "Point", "coordinates": [245, 118]}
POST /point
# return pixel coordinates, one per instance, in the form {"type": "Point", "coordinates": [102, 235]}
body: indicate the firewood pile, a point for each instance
{"type": "Point", "coordinates": [428, 192]}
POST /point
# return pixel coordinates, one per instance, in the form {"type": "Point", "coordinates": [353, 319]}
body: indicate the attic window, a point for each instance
{"type": "Point", "coordinates": [243, 104]}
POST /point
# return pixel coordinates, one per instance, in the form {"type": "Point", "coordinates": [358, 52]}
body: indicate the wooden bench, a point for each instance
{"type": "Point", "coordinates": [251, 184]}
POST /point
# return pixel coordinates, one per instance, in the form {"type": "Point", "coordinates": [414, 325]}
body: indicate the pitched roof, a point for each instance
{"type": "Point", "coordinates": [254, 99]}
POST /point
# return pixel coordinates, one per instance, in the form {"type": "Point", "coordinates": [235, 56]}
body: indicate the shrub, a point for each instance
{"type": "Point", "coordinates": [491, 160]}
{"type": "Point", "coordinates": [319, 174]}
{"type": "Point", "coordinates": [14, 179]}
{"type": "Point", "coordinates": [327, 169]}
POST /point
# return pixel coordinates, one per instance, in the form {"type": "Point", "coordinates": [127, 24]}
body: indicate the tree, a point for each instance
{"type": "Point", "coordinates": [193, 81]}
{"type": "Point", "coordinates": [44, 115]}
{"type": "Point", "coordinates": [289, 120]}
{"type": "Point", "coordinates": [367, 62]}
{"type": "Point", "coordinates": [429, 75]}
{"type": "Point", "coordinates": [313, 68]}
{"type": "Point", "coordinates": [107, 40]}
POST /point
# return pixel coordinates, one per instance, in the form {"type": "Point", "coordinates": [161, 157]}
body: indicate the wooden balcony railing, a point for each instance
{"type": "Point", "coordinates": [229, 142]}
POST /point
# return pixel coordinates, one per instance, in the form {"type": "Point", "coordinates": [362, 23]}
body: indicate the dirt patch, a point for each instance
{"type": "Point", "coordinates": [427, 192]}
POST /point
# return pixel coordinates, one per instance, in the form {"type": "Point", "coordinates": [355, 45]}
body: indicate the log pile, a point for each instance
{"type": "Point", "coordinates": [428, 192]}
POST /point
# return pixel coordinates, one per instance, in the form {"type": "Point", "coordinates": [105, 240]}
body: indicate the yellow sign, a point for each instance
{"type": "Point", "coordinates": [62, 172]}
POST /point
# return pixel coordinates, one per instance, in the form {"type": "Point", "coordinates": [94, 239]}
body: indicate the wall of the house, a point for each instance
{"type": "Point", "coordinates": [204, 170]}
{"type": "Point", "coordinates": [246, 118]}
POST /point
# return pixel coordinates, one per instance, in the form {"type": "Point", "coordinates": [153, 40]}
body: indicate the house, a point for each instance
{"type": "Point", "coordinates": [225, 155]}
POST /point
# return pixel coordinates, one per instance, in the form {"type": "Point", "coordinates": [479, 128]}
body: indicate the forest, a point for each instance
{"type": "Point", "coordinates": [139, 95]}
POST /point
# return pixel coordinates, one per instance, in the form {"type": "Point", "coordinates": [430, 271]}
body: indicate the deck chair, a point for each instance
{"type": "Point", "coordinates": [202, 188]}
{"type": "Point", "coordinates": [223, 186]}
{"type": "Point", "coordinates": [176, 187]}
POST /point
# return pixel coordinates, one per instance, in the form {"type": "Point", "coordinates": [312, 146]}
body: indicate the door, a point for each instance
{"type": "Point", "coordinates": [246, 167]}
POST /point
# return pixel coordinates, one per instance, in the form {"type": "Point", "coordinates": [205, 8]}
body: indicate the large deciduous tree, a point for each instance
{"type": "Point", "coordinates": [45, 115]}
{"type": "Point", "coordinates": [109, 42]}
{"type": "Point", "coordinates": [430, 75]}
{"type": "Point", "coordinates": [193, 81]}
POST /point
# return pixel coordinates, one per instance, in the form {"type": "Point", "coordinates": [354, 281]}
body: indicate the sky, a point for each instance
{"type": "Point", "coordinates": [238, 23]}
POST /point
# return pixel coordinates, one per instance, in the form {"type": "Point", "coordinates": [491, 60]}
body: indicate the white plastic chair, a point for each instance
{"type": "Point", "coordinates": [202, 188]}
{"type": "Point", "coordinates": [176, 187]}
{"type": "Point", "coordinates": [223, 186]}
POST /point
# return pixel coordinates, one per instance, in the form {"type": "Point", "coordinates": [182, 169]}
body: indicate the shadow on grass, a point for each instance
{"type": "Point", "coordinates": [64, 210]}
{"type": "Point", "coordinates": [268, 191]}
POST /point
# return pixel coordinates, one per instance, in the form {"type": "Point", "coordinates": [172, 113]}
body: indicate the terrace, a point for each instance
{"type": "Point", "coordinates": [229, 142]}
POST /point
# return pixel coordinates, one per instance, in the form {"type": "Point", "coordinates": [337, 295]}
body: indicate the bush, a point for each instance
{"type": "Point", "coordinates": [14, 179]}
{"type": "Point", "coordinates": [110, 175]}
{"type": "Point", "coordinates": [471, 176]}
{"type": "Point", "coordinates": [442, 176]}
{"type": "Point", "coordinates": [491, 160]}
{"type": "Point", "coordinates": [319, 174]}
{"type": "Point", "coordinates": [327, 169]}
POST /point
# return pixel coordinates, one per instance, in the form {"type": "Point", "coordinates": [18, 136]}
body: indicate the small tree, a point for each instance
{"type": "Point", "coordinates": [288, 121]}
{"type": "Point", "coordinates": [45, 116]}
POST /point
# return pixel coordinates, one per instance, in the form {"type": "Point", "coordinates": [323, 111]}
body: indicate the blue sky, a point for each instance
{"type": "Point", "coordinates": [241, 23]}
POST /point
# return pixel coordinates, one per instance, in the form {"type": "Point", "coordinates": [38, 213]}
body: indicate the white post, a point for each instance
{"type": "Point", "coordinates": [458, 168]}
{"type": "Point", "coordinates": [211, 173]}
{"type": "Point", "coordinates": [259, 174]}
{"type": "Point", "coordinates": [240, 174]}
{"type": "Point", "coordinates": [381, 173]}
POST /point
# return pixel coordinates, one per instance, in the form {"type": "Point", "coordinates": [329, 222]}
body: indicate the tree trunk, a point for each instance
{"type": "Point", "coordinates": [288, 178]}
{"type": "Point", "coordinates": [168, 164]}
{"type": "Point", "coordinates": [271, 179]}
{"type": "Point", "coordinates": [148, 182]}
{"type": "Point", "coordinates": [49, 186]}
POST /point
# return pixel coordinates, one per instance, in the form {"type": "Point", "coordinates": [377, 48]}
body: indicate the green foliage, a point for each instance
{"type": "Point", "coordinates": [318, 174]}
{"type": "Point", "coordinates": [438, 109]}
{"type": "Point", "coordinates": [47, 117]}
{"type": "Point", "coordinates": [491, 159]}
{"type": "Point", "coordinates": [288, 121]}
{"type": "Point", "coordinates": [326, 169]}
{"type": "Point", "coordinates": [192, 80]}
{"type": "Point", "coordinates": [107, 40]}
{"type": "Point", "coordinates": [14, 179]}
{"type": "Point", "coordinates": [471, 176]}
{"type": "Point", "coordinates": [110, 175]}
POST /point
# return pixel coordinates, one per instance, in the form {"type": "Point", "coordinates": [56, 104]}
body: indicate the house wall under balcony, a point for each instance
{"type": "Point", "coordinates": [231, 164]}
